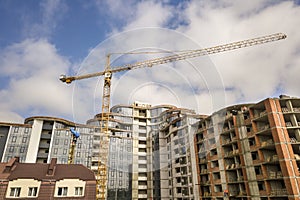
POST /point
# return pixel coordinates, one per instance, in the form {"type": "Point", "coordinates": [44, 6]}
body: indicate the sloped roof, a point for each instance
{"type": "Point", "coordinates": [40, 171]}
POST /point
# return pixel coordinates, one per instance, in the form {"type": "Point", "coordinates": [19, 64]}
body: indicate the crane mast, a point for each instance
{"type": "Point", "coordinates": [107, 73]}
{"type": "Point", "coordinates": [75, 136]}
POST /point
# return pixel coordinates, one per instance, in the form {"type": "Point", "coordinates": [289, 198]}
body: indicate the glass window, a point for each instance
{"type": "Point", "coordinates": [66, 142]}
{"type": "Point", "coordinates": [65, 151]}
{"type": "Point", "coordinates": [62, 191]}
{"type": "Point", "coordinates": [111, 182]}
{"type": "Point", "coordinates": [55, 151]}
{"type": "Point", "coordinates": [11, 149]}
{"type": "Point", "coordinates": [56, 141]}
{"type": "Point", "coordinates": [15, 192]}
{"type": "Point", "coordinates": [16, 129]}
{"type": "Point", "coordinates": [78, 191]}
{"type": "Point", "coordinates": [26, 130]}
{"type": "Point", "coordinates": [24, 140]}
{"type": "Point", "coordinates": [32, 191]}
{"type": "Point", "coordinates": [14, 139]}
{"type": "Point", "coordinates": [22, 149]}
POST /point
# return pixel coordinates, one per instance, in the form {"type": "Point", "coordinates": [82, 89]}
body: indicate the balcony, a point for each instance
{"type": "Point", "coordinates": [142, 187]}
{"type": "Point", "coordinates": [47, 127]}
{"type": "Point", "coordinates": [278, 192]}
{"type": "Point", "coordinates": [140, 178]}
{"type": "Point", "coordinates": [275, 175]}
{"type": "Point", "coordinates": [142, 196]}
{"type": "Point", "coordinates": [42, 155]}
{"type": "Point", "coordinates": [45, 136]}
{"type": "Point", "coordinates": [44, 146]}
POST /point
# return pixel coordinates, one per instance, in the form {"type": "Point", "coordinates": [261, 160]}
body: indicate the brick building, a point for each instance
{"type": "Point", "coordinates": [250, 151]}
{"type": "Point", "coordinates": [46, 181]}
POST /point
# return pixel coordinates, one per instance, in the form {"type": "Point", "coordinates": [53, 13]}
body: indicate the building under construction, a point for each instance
{"type": "Point", "coordinates": [248, 151]}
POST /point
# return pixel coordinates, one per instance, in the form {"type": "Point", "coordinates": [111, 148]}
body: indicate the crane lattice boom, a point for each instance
{"type": "Point", "coordinates": [182, 56]}
{"type": "Point", "coordinates": [107, 73]}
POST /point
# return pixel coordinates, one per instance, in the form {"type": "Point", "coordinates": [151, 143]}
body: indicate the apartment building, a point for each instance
{"type": "Point", "coordinates": [41, 138]}
{"type": "Point", "coordinates": [143, 158]}
{"type": "Point", "coordinates": [130, 153]}
{"type": "Point", "coordinates": [139, 164]}
{"type": "Point", "coordinates": [250, 151]}
{"type": "Point", "coordinates": [46, 181]}
{"type": "Point", "coordinates": [175, 153]}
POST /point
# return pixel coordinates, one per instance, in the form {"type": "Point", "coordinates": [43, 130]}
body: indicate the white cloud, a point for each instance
{"type": "Point", "coordinates": [257, 72]}
{"type": "Point", "coordinates": [248, 74]}
{"type": "Point", "coordinates": [31, 70]}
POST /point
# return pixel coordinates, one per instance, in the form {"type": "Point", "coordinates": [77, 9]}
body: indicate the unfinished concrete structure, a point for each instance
{"type": "Point", "coordinates": [250, 151]}
{"type": "Point", "coordinates": [176, 155]}
{"type": "Point", "coordinates": [150, 152]}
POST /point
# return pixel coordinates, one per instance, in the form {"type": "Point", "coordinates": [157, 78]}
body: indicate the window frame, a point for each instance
{"type": "Point", "coordinates": [62, 191]}
{"type": "Point", "coordinates": [15, 192]}
{"type": "Point", "coordinates": [78, 191]}
{"type": "Point", "coordinates": [32, 191]}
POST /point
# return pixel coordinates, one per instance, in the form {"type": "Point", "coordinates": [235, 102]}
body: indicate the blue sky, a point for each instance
{"type": "Point", "coordinates": [39, 40]}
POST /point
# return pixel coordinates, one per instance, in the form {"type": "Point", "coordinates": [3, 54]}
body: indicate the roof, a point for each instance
{"type": "Point", "coordinates": [42, 171]}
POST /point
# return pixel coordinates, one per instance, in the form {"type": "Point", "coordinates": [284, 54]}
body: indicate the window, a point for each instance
{"type": "Point", "coordinates": [26, 130]}
{"type": "Point", "coordinates": [32, 192]}
{"type": "Point", "coordinates": [11, 149]}
{"type": "Point", "coordinates": [62, 191]}
{"type": "Point", "coordinates": [15, 192]}
{"type": "Point", "coordinates": [65, 151]}
{"type": "Point", "coordinates": [251, 141]}
{"type": "Point", "coordinates": [24, 140]}
{"type": "Point", "coordinates": [22, 149]}
{"type": "Point", "coordinates": [78, 191]}
{"type": "Point", "coordinates": [55, 151]}
{"type": "Point", "coordinates": [16, 129]}
{"type": "Point", "coordinates": [14, 139]}
{"type": "Point", "coordinates": [111, 182]}
{"type": "Point", "coordinates": [254, 155]}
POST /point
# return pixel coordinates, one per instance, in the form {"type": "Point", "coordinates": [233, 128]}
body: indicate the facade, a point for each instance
{"type": "Point", "coordinates": [41, 138]}
{"type": "Point", "coordinates": [174, 155]}
{"type": "Point", "coordinates": [250, 151]}
{"type": "Point", "coordinates": [46, 181]}
{"type": "Point", "coordinates": [140, 164]}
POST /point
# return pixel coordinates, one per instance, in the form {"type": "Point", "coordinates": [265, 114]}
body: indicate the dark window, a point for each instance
{"type": "Point", "coordinates": [15, 192]}
{"type": "Point", "coordinates": [32, 191]}
{"type": "Point", "coordinates": [62, 191]}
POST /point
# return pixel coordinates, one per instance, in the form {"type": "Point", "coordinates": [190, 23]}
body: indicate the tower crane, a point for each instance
{"type": "Point", "coordinates": [75, 136]}
{"type": "Point", "coordinates": [101, 176]}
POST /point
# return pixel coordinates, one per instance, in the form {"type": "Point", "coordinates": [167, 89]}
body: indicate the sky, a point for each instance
{"type": "Point", "coordinates": [40, 40]}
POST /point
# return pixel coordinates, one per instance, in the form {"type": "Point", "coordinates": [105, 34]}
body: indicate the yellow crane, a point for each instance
{"type": "Point", "coordinates": [108, 71]}
{"type": "Point", "coordinates": [75, 136]}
